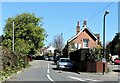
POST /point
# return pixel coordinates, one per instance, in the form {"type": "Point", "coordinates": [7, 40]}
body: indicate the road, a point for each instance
{"type": "Point", "coordinates": [41, 70]}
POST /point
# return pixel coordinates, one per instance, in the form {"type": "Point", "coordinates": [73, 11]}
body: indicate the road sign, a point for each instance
{"type": "Point", "coordinates": [104, 60]}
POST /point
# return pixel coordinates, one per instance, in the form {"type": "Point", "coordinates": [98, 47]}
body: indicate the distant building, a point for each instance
{"type": "Point", "coordinates": [48, 50]}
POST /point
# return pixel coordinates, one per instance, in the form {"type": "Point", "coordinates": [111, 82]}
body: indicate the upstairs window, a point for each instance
{"type": "Point", "coordinates": [85, 43]}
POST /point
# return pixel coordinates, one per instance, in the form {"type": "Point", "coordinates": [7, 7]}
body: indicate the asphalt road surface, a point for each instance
{"type": "Point", "coordinates": [46, 71]}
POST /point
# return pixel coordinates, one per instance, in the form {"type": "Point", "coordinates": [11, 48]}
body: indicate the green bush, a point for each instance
{"type": "Point", "coordinates": [12, 62]}
{"type": "Point", "coordinates": [95, 54]}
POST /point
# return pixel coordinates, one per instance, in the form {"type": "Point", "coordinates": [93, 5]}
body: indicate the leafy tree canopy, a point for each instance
{"type": "Point", "coordinates": [28, 33]}
{"type": "Point", "coordinates": [114, 46]}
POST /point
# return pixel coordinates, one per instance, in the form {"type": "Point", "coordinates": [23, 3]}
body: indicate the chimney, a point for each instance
{"type": "Point", "coordinates": [84, 23]}
{"type": "Point", "coordinates": [78, 28]}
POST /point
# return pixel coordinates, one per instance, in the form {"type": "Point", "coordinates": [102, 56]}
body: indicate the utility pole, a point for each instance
{"type": "Point", "coordinates": [13, 35]}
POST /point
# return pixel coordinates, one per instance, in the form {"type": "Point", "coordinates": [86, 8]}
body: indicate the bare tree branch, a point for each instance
{"type": "Point", "coordinates": [58, 42]}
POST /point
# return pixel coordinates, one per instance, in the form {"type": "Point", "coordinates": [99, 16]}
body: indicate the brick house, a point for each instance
{"type": "Point", "coordinates": [84, 38]}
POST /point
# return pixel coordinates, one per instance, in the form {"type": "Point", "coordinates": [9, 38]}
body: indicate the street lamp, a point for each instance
{"type": "Point", "coordinates": [106, 12]}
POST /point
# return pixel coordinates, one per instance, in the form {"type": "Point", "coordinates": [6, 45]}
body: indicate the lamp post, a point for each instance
{"type": "Point", "coordinates": [106, 12]}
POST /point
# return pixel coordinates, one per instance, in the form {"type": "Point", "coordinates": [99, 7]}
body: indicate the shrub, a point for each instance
{"type": "Point", "coordinates": [12, 62]}
{"type": "Point", "coordinates": [94, 54]}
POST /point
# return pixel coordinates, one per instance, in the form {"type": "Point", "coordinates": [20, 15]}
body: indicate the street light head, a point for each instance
{"type": "Point", "coordinates": [107, 12]}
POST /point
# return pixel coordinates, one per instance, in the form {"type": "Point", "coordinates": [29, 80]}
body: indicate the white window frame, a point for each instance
{"type": "Point", "coordinates": [85, 43]}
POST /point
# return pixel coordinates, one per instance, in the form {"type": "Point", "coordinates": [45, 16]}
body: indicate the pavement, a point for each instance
{"type": "Point", "coordinates": [46, 71]}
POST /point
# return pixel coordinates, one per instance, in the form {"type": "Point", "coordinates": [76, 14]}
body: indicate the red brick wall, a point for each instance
{"type": "Point", "coordinates": [85, 35]}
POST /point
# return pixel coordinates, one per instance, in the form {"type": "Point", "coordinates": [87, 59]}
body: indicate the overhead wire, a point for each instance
{"type": "Point", "coordinates": [101, 10]}
{"type": "Point", "coordinates": [95, 14]}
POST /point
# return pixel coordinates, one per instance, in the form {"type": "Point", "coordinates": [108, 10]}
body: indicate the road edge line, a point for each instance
{"type": "Point", "coordinates": [76, 78]}
{"type": "Point", "coordinates": [50, 78]}
{"type": "Point", "coordinates": [47, 71]}
{"type": "Point", "coordinates": [49, 75]}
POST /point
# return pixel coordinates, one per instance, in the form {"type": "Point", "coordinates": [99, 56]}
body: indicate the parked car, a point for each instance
{"type": "Point", "coordinates": [46, 58]}
{"type": "Point", "coordinates": [56, 58]}
{"type": "Point", "coordinates": [113, 57]}
{"type": "Point", "coordinates": [64, 63]}
{"type": "Point", "coordinates": [117, 61]}
{"type": "Point", "coordinates": [50, 58]}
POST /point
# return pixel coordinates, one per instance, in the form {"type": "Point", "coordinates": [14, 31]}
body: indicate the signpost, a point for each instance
{"type": "Point", "coordinates": [104, 60]}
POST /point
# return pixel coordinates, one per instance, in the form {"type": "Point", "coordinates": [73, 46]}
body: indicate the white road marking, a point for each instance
{"type": "Point", "coordinates": [50, 78]}
{"type": "Point", "coordinates": [82, 79]}
{"type": "Point", "coordinates": [48, 71]}
{"type": "Point", "coordinates": [49, 75]}
{"type": "Point", "coordinates": [76, 78]}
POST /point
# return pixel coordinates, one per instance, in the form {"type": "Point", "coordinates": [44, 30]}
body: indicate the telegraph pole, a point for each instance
{"type": "Point", "coordinates": [13, 35]}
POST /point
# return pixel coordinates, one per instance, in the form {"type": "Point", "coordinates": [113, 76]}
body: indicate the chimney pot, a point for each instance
{"type": "Point", "coordinates": [78, 28]}
{"type": "Point", "coordinates": [84, 23]}
{"type": "Point", "coordinates": [78, 23]}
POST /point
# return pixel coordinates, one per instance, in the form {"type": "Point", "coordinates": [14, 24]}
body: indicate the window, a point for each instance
{"type": "Point", "coordinates": [85, 43]}
{"type": "Point", "coordinates": [49, 51]}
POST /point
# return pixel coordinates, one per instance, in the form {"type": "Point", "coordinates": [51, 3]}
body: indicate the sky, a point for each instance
{"type": "Point", "coordinates": [62, 17]}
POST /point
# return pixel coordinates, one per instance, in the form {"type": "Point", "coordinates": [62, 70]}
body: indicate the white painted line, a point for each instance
{"type": "Point", "coordinates": [91, 80]}
{"type": "Point", "coordinates": [49, 75]}
{"type": "Point", "coordinates": [76, 78]}
{"type": "Point", "coordinates": [50, 78]}
{"type": "Point", "coordinates": [48, 71]}
{"type": "Point", "coordinates": [82, 79]}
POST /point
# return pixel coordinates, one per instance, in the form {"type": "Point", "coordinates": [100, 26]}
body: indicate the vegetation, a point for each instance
{"type": "Point", "coordinates": [12, 63]}
{"type": "Point", "coordinates": [29, 38]}
{"type": "Point", "coordinates": [72, 46]}
{"type": "Point", "coordinates": [114, 46]}
{"type": "Point", "coordinates": [29, 34]}
{"type": "Point", "coordinates": [94, 54]}
{"type": "Point", "coordinates": [58, 42]}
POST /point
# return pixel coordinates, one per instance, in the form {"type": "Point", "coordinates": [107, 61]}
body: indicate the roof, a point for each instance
{"type": "Point", "coordinates": [50, 48]}
{"type": "Point", "coordinates": [85, 27]}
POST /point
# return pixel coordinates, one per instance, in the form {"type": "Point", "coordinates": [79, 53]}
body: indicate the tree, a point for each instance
{"type": "Point", "coordinates": [29, 34]}
{"type": "Point", "coordinates": [58, 42]}
{"type": "Point", "coordinates": [114, 46]}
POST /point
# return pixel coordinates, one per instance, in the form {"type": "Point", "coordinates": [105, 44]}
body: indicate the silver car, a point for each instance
{"type": "Point", "coordinates": [64, 63]}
